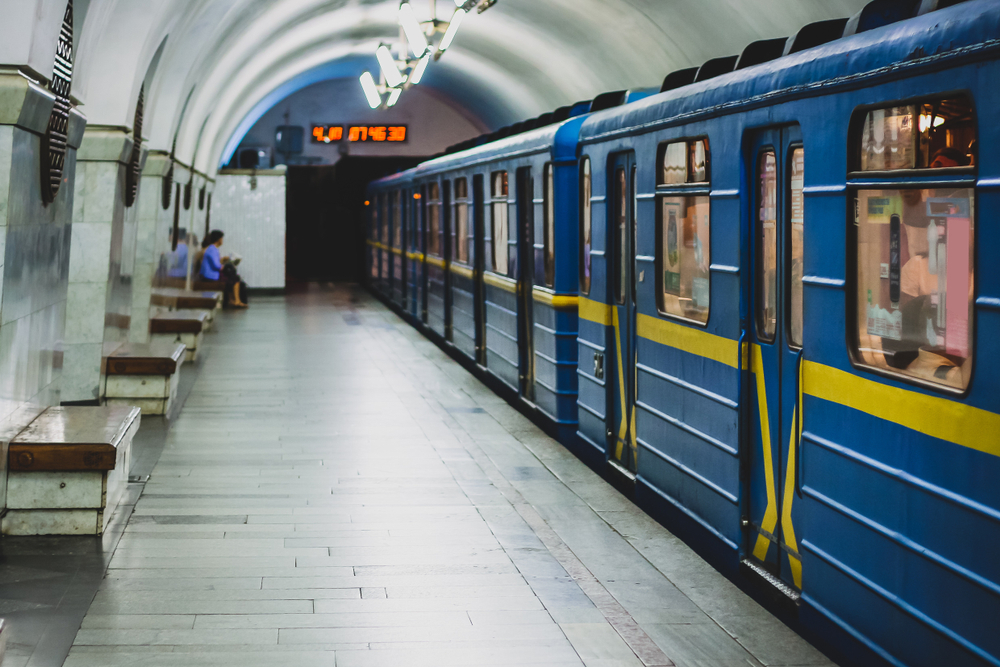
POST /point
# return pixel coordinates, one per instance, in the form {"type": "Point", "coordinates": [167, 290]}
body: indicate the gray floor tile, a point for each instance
{"type": "Point", "coordinates": [346, 495]}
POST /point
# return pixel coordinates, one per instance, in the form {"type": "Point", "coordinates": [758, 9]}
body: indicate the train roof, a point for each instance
{"type": "Point", "coordinates": [559, 139]}
{"type": "Point", "coordinates": [967, 28]}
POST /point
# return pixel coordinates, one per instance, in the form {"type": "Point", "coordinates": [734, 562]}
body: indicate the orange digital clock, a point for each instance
{"type": "Point", "coordinates": [326, 134]}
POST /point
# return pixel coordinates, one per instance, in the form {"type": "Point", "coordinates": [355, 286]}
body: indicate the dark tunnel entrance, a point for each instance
{"type": "Point", "coordinates": [325, 217]}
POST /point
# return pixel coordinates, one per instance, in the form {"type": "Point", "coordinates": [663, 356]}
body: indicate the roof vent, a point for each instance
{"type": "Point", "coordinates": [545, 119]}
{"type": "Point", "coordinates": [608, 100]}
{"type": "Point", "coordinates": [815, 34]}
{"type": "Point", "coordinates": [716, 66]}
{"type": "Point", "coordinates": [878, 13]}
{"type": "Point", "coordinates": [761, 51]}
{"type": "Point", "coordinates": [561, 114]}
{"type": "Point", "coordinates": [927, 6]}
{"type": "Point", "coordinates": [681, 77]}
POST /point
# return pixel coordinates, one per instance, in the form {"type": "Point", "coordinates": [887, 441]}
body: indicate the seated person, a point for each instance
{"type": "Point", "coordinates": [215, 267]}
{"type": "Point", "coordinates": [177, 262]}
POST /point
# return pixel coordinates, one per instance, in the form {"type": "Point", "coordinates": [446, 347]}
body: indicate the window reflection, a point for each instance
{"type": "Point", "coordinates": [434, 219]}
{"type": "Point", "coordinates": [797, 225]}
{"type": "Point", "coordinates": [461, 248]}
{"type": "Point", "coordinates": [621, 236]}
{"type": "Point", "coordinates": [767, 245]}
{"type": "Point", "coordinates": [549, 227]}
{"type": "Point", "coordinates": [499, 222]}
{"type": "Point", "coordinates": [586, 241]}
{"type": "Point", "coordinates": [915, 267]}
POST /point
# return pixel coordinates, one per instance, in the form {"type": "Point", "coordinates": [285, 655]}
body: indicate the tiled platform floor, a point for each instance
{"type": "Point", "coordinates": [337, 491]}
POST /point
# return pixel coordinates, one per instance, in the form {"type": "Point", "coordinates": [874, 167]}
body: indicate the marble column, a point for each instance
{"type": "Point", "coordinates": [102, 262]}
{"type": "Point", "coordinates": [151, 242]}
{"type": "Point", "coordinates": [35, 247]}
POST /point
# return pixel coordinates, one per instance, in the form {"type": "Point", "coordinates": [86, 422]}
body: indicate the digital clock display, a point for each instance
{"type": "Point", "coordinates": [326, 134]}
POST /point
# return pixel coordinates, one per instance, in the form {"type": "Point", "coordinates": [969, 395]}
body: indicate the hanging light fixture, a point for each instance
{"type": "Point", "coordinates": [418, 38]}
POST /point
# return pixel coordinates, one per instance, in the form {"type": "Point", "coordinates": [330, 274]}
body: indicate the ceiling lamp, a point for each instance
{"type": "Point", "coordinates": [422, 39]}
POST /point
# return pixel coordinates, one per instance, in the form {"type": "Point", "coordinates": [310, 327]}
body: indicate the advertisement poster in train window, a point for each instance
{"type": "Point", "coordinates": [880, 216]}
{"type": "Point", "coordinates": [673, 220]}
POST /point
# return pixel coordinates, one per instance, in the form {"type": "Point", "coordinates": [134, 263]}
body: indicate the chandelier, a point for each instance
{"type": "Point", "coordinates": [402, 64]}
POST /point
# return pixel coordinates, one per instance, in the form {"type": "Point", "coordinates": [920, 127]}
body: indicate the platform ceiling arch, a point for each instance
{"type": "Point", "coordinates": [224, 60]}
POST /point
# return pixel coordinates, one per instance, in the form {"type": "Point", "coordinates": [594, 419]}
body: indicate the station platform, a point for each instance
{"type": "Point", "coordinates": [337, 491]}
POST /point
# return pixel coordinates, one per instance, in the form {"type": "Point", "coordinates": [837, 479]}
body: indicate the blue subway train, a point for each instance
{"type": "Point", "coordinates": [765, 302]}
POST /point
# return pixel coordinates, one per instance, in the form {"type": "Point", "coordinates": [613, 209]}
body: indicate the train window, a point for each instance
{"type": "Point", "coordinates": [434, 219]}
{"type": "Point", "coordinates": [683, 237]}
{"type": "Point", "coordinates": [767, 245]}
{"type": "Point", "coordinates": [621, 235]}
{"type": "Point", "coordinates": [674, 164]}
{"type": "Point", "coordinates": [684, 162]}
{"type": "Point", "coordinates": [698, 161]}
{"type": "Point", "coordinates": [461, 250]}
{"type": "Point", "coordinates": [915, 268]}
{"type": "Point", "coordinates": [796, 221]}
{"type": "Point", "coordinates": [414, 226]}
{"type": "Point", "coordinates": [383, 214]}
{"type": "Point", "coordinates": [397, 219]}
{"type": "Point", "coordinates": [585, 227]}
{"type": "Point", "coordinates": [549, 226]}
{"type": "Point", "coordinates": [929, 135]}
{"type": "Point", "coordinates": [499, 222]}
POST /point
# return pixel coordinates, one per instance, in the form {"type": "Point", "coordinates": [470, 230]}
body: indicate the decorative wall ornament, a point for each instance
{"type": "Point", "coordinates": [54, 139]}
{"type": "Point", "coordinates": [134, 169]}
{"type": "Point", "coordinates": [168, 178]}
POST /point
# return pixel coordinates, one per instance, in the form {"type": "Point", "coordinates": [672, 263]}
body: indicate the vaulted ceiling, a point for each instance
{"type": "Point", "coordinates": [211, 67]}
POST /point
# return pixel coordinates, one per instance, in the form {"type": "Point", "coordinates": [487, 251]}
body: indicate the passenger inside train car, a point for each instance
{"type": "Point", "coordinates": [585, 334]}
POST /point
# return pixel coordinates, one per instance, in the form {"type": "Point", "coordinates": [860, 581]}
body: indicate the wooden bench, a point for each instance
{"type": "Point", "coordinates": [68, 469]}
{"type": "Point", "coordinates": [144, 375]}
{"type": "Point", "coordinates": [174, 298]}
{"type": "Point", "coordinates": [180, 326]}
{"type": "Point", "coordinates": [197, 285]}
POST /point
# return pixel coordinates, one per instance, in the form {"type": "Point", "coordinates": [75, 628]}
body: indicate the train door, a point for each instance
{"type": "Point", "coordinates": [447, 248]}
{"type": "Point", "coordinates": [478, 215]}
{"type": "Point", "coordinates": [525, 196]}
{"type": "Point", "coordinates": [777, 167]}
{"type": "Point", "coordinates": [402, 221]}
{"type": "Point", "coordinates": [413, 249]}
{"type": "Point", "coordinates": [423, 253]}
{"type": "Point", "coordinates": [621, 385]}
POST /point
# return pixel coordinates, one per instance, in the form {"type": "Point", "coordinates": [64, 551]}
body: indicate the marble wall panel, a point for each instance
{"type": "Point", "coordinates": [151, 217]}
{"type": "Point", "coordinates": [102, 262]}
{"type": "Point", "coordinates": [250, 209]}
{"type": "Point", "coordinates": [34, 275]}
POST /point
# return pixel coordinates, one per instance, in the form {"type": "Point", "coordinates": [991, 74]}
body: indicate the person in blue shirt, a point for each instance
{"type": "Point", "coordinates": [216, 267]}
{"type": "Point", "coordinates": [178, 259]}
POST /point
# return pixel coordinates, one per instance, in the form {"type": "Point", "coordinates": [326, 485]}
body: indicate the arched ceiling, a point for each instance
{"type": "Point", "coordinates": [223, 61]}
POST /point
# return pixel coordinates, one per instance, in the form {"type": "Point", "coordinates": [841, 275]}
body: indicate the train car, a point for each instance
{"type": "Point", "coordinates": [793, 313]}
{"type": "Point", "coordinates": [785, 314]}
{"type": "Point", "coordinates": [485, 276]}
{"type": "Point", "coordinates": [492, 255]}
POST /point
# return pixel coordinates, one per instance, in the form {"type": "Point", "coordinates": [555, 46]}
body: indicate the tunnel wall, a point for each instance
{"type": "Point", "coordinates": [250, 208]}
